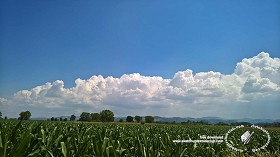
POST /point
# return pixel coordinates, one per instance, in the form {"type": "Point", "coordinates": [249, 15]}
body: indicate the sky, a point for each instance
{"type": "Point", "coordinates": [183, 58]}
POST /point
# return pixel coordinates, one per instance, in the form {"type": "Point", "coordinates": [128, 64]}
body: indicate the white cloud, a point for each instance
{"type": "Point", "coordinates": [256, 85]}
{"type": "Point", "coordinates": [2, 100]}
{"type": "Point", "coordinates": [186, 94]}
{"type": "Point", "coordinates": [261, 66]}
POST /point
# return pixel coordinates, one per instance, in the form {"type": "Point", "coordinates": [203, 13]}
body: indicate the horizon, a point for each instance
{"type": "Point", "coordinates": [32, 118]}
{"type": "Point", "coordinates": [179, 59]}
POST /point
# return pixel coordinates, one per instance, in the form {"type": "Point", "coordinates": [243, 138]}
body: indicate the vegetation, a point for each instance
{"type": "Point", "coordinates": [138, 119]}
{"type": "Point", "coordinates": [106, 116]}
{"type": "Point", "coordinates": [54, 119]}
{"type": "Point", "coordinates": [72, 118]}
{"type": "Point", "coordinates": [274, 124]}
{"type": "Point", "coordinates": [95, 117]}
{"type": "Point", "coordinates": [103, 116]}
{"type": "Point", "coordinates": [24, 115]}
{"type": "Point", "coordinates": [85, 116]}
{"type": "Point", "coordinates": [149, 119]}
{"type": "Point", "coordinates": [129, 119]}
{"type": "Point", "coordinates": [46, 138]}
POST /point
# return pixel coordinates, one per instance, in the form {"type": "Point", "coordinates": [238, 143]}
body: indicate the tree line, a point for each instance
{"type": "Point", "coordinates": [108, 116]}
{"type": "Point", "coordinates": [148, 119]}
{"type": "Point", "coordinates": [22, 116]}
{"type": "Point", "coordinates": [103, 116]}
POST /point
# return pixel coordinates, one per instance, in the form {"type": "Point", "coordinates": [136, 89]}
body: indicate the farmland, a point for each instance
{"type": "Point", "coordinates": [44, 138]}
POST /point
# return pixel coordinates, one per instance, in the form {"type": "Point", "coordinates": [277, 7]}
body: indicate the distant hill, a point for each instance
{"type": "Point", "coordinates": [210, 120]}
{"type": "Point", "coordinates": [44, 118]}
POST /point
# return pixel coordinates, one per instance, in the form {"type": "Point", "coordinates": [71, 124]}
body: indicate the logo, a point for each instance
{"type": "Point", "coordinates": [239, 138]}
{"type": "Point", "coordinates": [247, 139]}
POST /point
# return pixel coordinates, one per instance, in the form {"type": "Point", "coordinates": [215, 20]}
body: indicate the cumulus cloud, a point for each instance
{"type": "Point", "coordinates": [260, 66]}
{"type": "Point", "coordinates": [186, 94]}
{"type": "Point", "coordinates": [256, 85]}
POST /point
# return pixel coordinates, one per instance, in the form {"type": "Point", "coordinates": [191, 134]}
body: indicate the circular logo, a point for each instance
{"type": "Point", "coordinates": [247, 139]}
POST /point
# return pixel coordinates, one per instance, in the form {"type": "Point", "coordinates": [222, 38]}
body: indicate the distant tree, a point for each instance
{"type": "Point", "coordinates": [201, 122]}
{"type": "Point", "coordinates": [55, 119]}
{"type": "Point", "coordinates": [60, 119]}
{"type": "Point", "coordinates": [72, 118]}
{"type": "Point", "coordinates": [52, 119]}
{"type": "Point", "coordinates": [24, 115]}
{"type": "Point", "coordinates": [65, 119]}
{"type": "Point", "coordinates": [241, 123]}
{"type": "Point", "coordinates": [95, 117]}
{"type": "Point", "coordinates": [149, 119]}
{"type": "Point", "coordinates": [106, 116]}
{"type": "Point", "coordinates": [129, 119]}
{"type": "Point", "coordinates": [27, 115]}
{"type": "Point", "coordinates": [121, 120]}
{"type": "Point", "coordinates": [6, 117]}
{"type": "Point", "coordinates": [0, 115]}
{"type": "Point", "coordinates": [138, 119]}
{"type": "Point", "coordinates": [187, 122]}
{"type": "Point", "coordinates": [85, 116]}
{"type": "Point", "coordinates": [274, 124]}
{"type": "Point", "coordinates": [221, 123]}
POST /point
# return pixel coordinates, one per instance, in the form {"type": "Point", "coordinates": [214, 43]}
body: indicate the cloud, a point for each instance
{"type": "Point", "coordinates": [260, 66]}
{"type": "Point", "coordinates": [186, 94]}
{"type": "Point", "coordinates": [259, 85]}
{"type": "Point", "coordinates": [2, 100]}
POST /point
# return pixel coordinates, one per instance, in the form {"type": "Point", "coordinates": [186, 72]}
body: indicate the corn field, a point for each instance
{"type": "Point", "coordinates": [74, 139]}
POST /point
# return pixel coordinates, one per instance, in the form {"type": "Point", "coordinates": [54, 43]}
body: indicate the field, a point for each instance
{"type": "Point", "coordinates": [44, 138]}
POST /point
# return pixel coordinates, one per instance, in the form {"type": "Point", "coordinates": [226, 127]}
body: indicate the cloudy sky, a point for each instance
{"type": "Point", "coordinates": [184, 58]}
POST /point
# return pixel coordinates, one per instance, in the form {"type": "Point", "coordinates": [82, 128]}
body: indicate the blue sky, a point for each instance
{"type": "Point", "coordinates": [45, 41]}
